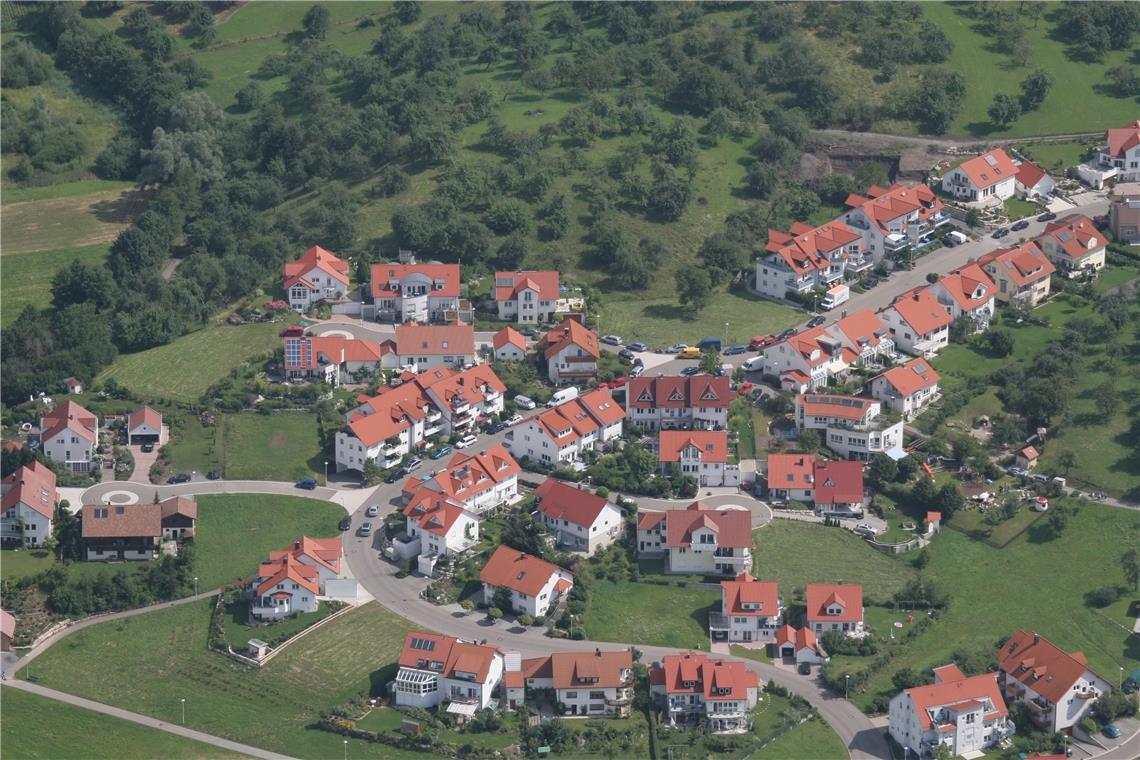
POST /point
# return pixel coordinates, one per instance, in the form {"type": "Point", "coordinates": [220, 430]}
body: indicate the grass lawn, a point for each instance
{"type": "Point", "coordinates": [631, 612]}
{"type": "Point", "coordinates": [237, 531]}
{"type": "Point", "coordinates": [813, 740]}
{"type": "Point", "coordinates": [1115, 275]}
{"type": "Point", "coordinates": [973, 524]}
{"type": "Point", "coordinates": [63, 190]}
{"type": "Point", "coordinates": [27, 276]}
{"type": "Point", "coordinates": [795, 553]}
{"type": "Point", "coordinates": [1015, 209]}
{"type": "Point", "coordinates": [1054, 157]}
{"type": "Point", "coordinates": [760, 655]}
{"type": "Point", "coordinates": [386, 720]}
{"type": "Point", "coordinates": [148, 663]}
{"type": "Point", "coordinates": [270, 447]}
{"type": "Point", "coordinates": [74, 732]}
{"type": "Point", "coordinates": [184, 369]}
{"type": "Point", "coordinates": [70, 221]}
{"type": "Point", "coordinates": [19, 564]}
{"type": "Point", "coordinates": [239, 631]}
{"type": "Point", "coordinates": [195, 447]}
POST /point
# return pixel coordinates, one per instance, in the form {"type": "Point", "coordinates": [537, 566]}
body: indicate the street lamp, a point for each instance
{"type": "Point", "coordinates": [326, 472]}
{"type": "Point", "coordinates": [195, 585]}
{"type": "Point", "coordinates": [726, 334]}
{"type": "Point", "coordinates": [183, 711]}
{"type": "Point", "coordinates": [346, 749]}
{"type": "Point", "coordinates": [571, 626]}
{"type": "Point", "coordinates": [846, 686]}
{"type": "Point", "coordinates": [1120, 681]}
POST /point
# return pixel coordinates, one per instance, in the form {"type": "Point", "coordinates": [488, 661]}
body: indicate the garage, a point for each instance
{"type": "Point", "coordinates": [144, 426]}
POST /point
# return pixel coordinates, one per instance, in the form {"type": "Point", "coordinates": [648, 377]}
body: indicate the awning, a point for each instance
{"type": "Point", "coordinates": [463, 708]}
{"type": "Point", "coordinates": [897, 453]}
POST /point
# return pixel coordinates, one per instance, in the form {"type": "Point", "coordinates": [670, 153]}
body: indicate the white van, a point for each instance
{"type": "Point", "coordinates": [562, 396]}
{"type": "Point", "coordinates": [957, 237]}
{"type": "Point", "coordinates": [524, 402]}
{"type": "Point", "coordinates": [755, 364]}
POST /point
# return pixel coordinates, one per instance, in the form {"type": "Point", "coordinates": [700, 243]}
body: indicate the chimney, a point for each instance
{"type": "Point", "coordinates": [598, 652]}
{"type": "Point", "coordinates": [1036, 637]}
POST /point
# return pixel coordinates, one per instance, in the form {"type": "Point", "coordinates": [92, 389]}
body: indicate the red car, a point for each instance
{"type": "Point", "coordinates": [619, 382]}
{"type": "Point", "coordinates": [744, 389]}
{"type": "Point", "coordinates": [762, 341]}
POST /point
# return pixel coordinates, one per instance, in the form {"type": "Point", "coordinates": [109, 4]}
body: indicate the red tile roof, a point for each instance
{"type": "Point", "coordinates": [32, 485]}
{"type": "Point", "coordinates": [820, 596]}
{"type": "Point", "coordinates": [286, 567]}
{"type": "Point", "coordinates": [336, 349]}
{"type": "Point", "coordinates": [650, 520]}
{"type": "Point", "coordinates": [1076, 235]}
{"type": "Point", "coordinates": [1024, 265]}
{"type": "Point", "coordinates": [468, 475]}
{"type": "Point", "coordinates": [566, 423]}
{"type": "Point", "coordinates": [508, 285]}
{"type": "Point", "coordinates": [712, 445]}
{"type": "Point", "coordinates": [508, 335]}
{"type": "Point", "coordinates": [587, 670]}
{"type": "Point", "coordinates": [559, 501]}
{"type": "Point", "coordinates": [814, 345]}
{"type": "Point", "coordinates": [518, 571]}
{"type": "Point", "coordinates": [316, 258]}
{"type": "Point", "coordinates": [911, 377]}
{"type": "Point", "coordinates": [471, 385]}
{"type": "Point", "coordinates": [921, 310]}
{"type": "Point", "coordinates": [326, 552]}
{"type": "Point", "coordinates": [989, 168]}
{"type": "Point", "coordinates": [838, 482]}
{"type": "Point", "coordinates": [69, 416]}
{"type": "Point", "coordinates": [144, 416]}
{"type": "Point", "coordinates": [570, 333]}
{"type": "Point", "coordinates": [949, 672]}
{"type": "Point", "coordinates": [863, 329]}
{"type": "Point", "coordinates": [7, 623]}
{"type": "Point", "coordinates": [884, 205]}
{"type": "Point", "coordinates": [1029, 174]}
{"type": "Point", "coordinates": [733, 527]}
{"type": "Point", "coordinates": [422, 650]}
{"type": "Point", "coordinates": [808, 248]}
{"type": "Point", "coordinates": [745, 589]}
{"type": "Point", "coordinates": [435, 340]}
{"type": "Point", "coordinates": [392, 411]}
{"type": "Point", "coordinates": [933, 517]}
{"type": "Point", "coordinates": [969, 286]}
{"type": "Point", "coordinates": [833, 405]}
{"type": "Point", "coordinates": [178, 505]}
{"type": "Point", "coordinates": [433, 512]}
{"type": "Point", "coordinates": [1121, 139]}
{"type": "Point", "coordinates": [443, 279]}
{"type": "Point", "coordinates": [961, 693]}
{"type": "Point", "coordinates": [791, 471]}
{"type": "Point", "coordinates": [715, 679]}
{"type": "Point", "coordinates": [600, 404]}
{"type": "Point", "coordinates": [676, 392]}
{"type": "Point", "coordinates": [800, 638]}
{"type": "Point", "coordinates": [1029, 452]}
{"type": "Point", "coordinates": [122, 521]}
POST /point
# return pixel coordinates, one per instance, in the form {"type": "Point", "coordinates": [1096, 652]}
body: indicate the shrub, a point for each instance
{"type": "Point", "coordinates": [525, 620]}
{"type": "Point", "coordinates": [1103, 596]}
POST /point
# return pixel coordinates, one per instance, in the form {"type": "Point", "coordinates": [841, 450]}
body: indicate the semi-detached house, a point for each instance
{"type": "Point", "coordinates": [835, 487]}
{"type": "Point", "coordinates": [434, 669]}
{"type": "Point", "coordinates": [411, 292]}
{"type": "Point", "coordinates": [865, 335]}
{"type": "Point", "coordinates": [750, 610]}
{"type": "Point", "coordinates": [850, 426]}
{"type": "Point", "coordinates": [967, 715]}
{"type": "Point", "coordinates": [697, 539]}
{"type": "Point", "coordinates": [918, 323]}
{"type": "Point", "coordinates": [527, 297]}
{"type": "Point", "coordinates": [28, 505]}
{"type": "Point", "coordinates": [891, 220]}
{"type": "Point", "coordinates": [808, 360]}
{"type": "Point", "coordinates": [806, 258]}
{"type": "Point", "coordinates": [587, 684]}
{"type": "Point", "coordinates": [908, 388]}
{"type": "Point", "coordinates": [991, 177]}
{"type": "Point", "coordinates": [571, 351]}
{"type": "Point", "coordinates": [1074, 245]}
{"type": "Point", "coordinates": [480, 481]}
{"type": "Point", "coordinates": [967, 291]}
{"type": "Point", "coordinates": [791, 477]}
{"type": "Point", "coordinates": [692, 687]}
{"type": "Point", "coordinates": [580, 520]}
{"type": "Point", "coordinates": [559, 435]}
{"type": "Point", "coordinates": [1021, 273]}
{"type": "Point", "coordinates": [671, 401]}
{"type": "Point", "coordinates": [699, 454]}
{"type": "Point", "coordinates": [317, 276]}
{"type": "Point", "coordinates": [534, 584]}
{"type": "Point", "coordinates": [69, 434]}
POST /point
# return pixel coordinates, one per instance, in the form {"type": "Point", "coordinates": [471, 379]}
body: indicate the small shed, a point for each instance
{"type": "Point", "coordinates": [933, 523]}
{"type": "Point", "coordinates": [1027, 458]}
{"type": "Point", "coordinates": [258, 648]}
{"type": "Point", "coordinates": [74, 387]}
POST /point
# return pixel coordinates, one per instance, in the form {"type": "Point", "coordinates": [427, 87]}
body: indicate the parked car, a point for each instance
{"type": "Point", "coordinates": [466, 441]}
{"type": "Point", "coordinates": [525, 402]}
{"type": "Point", "coordinates": [817, 321]}
{"type": "Point", "coordinates": [613, 340]}
{"type": "Point", "coordinates": [863, 529]}
{"type": "Point", "coordinates": [762, 341]}
{"type": "Point", "coordinates": [639, 346]}
{"type": "Point", "coordinates": [372, 511]}
{"type": "Point", "coordinates": [735, 350]}
{"type": "Point", "coordinates": [689, 352]}
{"type": "Point", "coordinates": [619, 381]}
{"type": "Point", "coordinates": [213, 475]}
{"type": "Point", "coordinates": [1016, 472]}
{"type": "Point", "coordinates": [637, 371]}
{"type": "Point", "coordinates": [744, 389]}
{"type": "Point", "coordinates": [184, 478]}
{"type": "Point", "coordinates": [804, 668]}
{"type": "Point", "coordinates": [787, 333]}
{"type": "Point", "coordinates": [345, 523]}
{"type": "Point", "coordinates": [1000, 233]}
{"type": "Point", "coordinates": [396, 475]}
{"type": "Point", "coordinates": [687, 371]}
{"type": "Point", "coordinates": [413, 465]}
{"type": "Point", "coordinates": [440, 452]}
{"type": "Point", "coordinates": [676, 348]}
{"type": "Point", "coordinates": [498, 427]}
{"type": "Point", "coordinates": [147, 447]}
{"type": "Point", "coordinates": [514, 419]}
{"type": "Point", "coordinates": [530, 332]}
{"type": "Point", "coordinates": [626, 354]}
{"type": "Point", "coordinates": [1048, 216]}
{"type": "Point", "coordinates": [1100, 221]}
{"type": "Point", "coordinates": [365, 529]}
{"type": "Point", "coordinates": [1018, 226]}
{"type": "Point", "coordinates": [309, 484]}
{"type": "Point", "coordinates": [948, 241]}
{"type": "Point", "coordinates": [1112, 731]}
{"type": "Point", "coordinates": [870, 282]}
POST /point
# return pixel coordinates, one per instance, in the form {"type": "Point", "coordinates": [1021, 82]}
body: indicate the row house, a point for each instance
{"type": "Point", "coordinates": [836, 488]}
{"type": "Point", "coordinates": [480, 481]}
{"type": "Point", "coordinates": [750, 611]}
{"type": "Point", "coordinates": [990, 176]}
{"type": "Point", "coordinates": [437, 527]}
{"type": "Point", "coordinates": [908, 388]}
{"type": "Point", "coordinates": [411, 292]}
{"type": "Point", "coordinates": [508, 345]}
{"type": "Point", "coordinates": [534, 584]}
{"type": "Point", "coordinates": [1033, 182]}
{"type": "Point", "coordinates": [697, 540]}
{"type": "Point", "coordinates": [967, 292]}
{"type": "Point", "coordinates": [666, 402]}
{"type": "Point", "coordinates": [581, 521]}
{"type": "Point", "coordinates": [1056, 686]}
{"type": "Point", "coordinates": [559, 436]}
{"type": "Point", "coordinates": [528, 297]}
{"type": "Point", "coordinates": [1021, 273]}
{"type": "Point", "coordinates": [294, 577]}
{"type": "Point", "coordinates": [834, 607]}
{"type": "Point", "coordinates": [692, 686]}
{"type": "Point", "coordinates": [28, 504]}
{"type": "Point", "coordinates": [918, 323]}
{"type": "Point", "coordinates": [964, 714]}
{"type": "Point", "coordinates": [1124, 213]}
{"type": "Point", "coordinates": [1117, 161]}
{"type": "Point", "coordinates": [423, 347]}
{"type": "Point", "coordinates": [331, 359]}
{"type": "Point", "coordinates": [1074, 245]}
{"type": "Point", "coordinates": [892, 219]}
{"type": "Point", "coordinates": [808, 360]}
{"type": "Point", "coordinates": [852, 427]}
{"type": "Point", "coordinates": [700, 454]}
{"type": "Point", "coordinates": [571, 352]}
{"type": "Point", "coordinates": [866, 336]}
{"type": "Point", "coordinates": [69, 435]}
{"type": "Point", "coordinates": [800, 645]}
{"type": "Point", "coordinates": [434, 669]}
{"type": "Point", "coordinates": [587, 684]}
{"type": "Point", "coordinates": [806, 258]}
{"type": "Point", "coordinates": [317, 276]}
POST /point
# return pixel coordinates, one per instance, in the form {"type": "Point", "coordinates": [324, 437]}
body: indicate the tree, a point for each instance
{"type": "Point", "coordinates": [949, 500]}
{"type": "Point", "coordinates": [694, 287]}
{"type": "Point", "coordinates": [883, 470]}
{"type": "Point", "coordinates": [762, 179]}
{"type": "Point", "coordinates": [1066, 460]}
{"type": "Point", "coordinates": [1130, 563]}
{"type": "Point", "coordinates": [508, 215]}
{"type": "Point", "coordinates": [1005, 109]}
{"type": "Point", "coordinates": [502, 598]}
{"type": "Point", "coordinates": [512, 252]}
{"type": "Point", "coordinates": [1035, 88]}
{"type": "Point", "coordinates": [82, 283]}
{"type": "Point", "coordinates": [316, 22]}
{"type": "Point", "coordinates": [907, 468]}
{"type": "Point", "coordinates": [921, 560]}
{"type": "Point", "coordinates": [723, 256]}
{"type": "Point", "coordinates": [1000, 342]}
{"type": "Point", "coordinates": [409, 11]}
{"type": "Point", "coordinates": [250, 97]}
{"type": "Point", "coordinates": [432, 143]}
{"type": "Point", "coordinates": [923, 493]}
{"type": "Point", "coordinates": [791, 123]}
{"type": "Point", "coordinates": [710, 362]}
{"type": "Point", "coordinates": [494, 613]}
{"type": "Point", "coordinates": [973, 218]}
{"type": "Point", "coordinates": [808, 440]}
{"type": "Point", "coordinates": [1125, 79]}
{"type": "Point", "coordinates": [669, 195]}
{"type": "Point", "coordinates": [1058, 518]}
{"type": "Point", "coordinates": [1107, 399]}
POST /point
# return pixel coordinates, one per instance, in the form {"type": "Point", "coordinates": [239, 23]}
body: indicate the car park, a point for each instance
{"type": "Point", "coordinates": [639, 346]}
{"type": "Point", "coordinates": [735, 350]}
{"type": "Point", "coordinates": [1048, 216]}
{"type": "Point", "coordinates": [613, 340]}
{"type": "Point", "coordinates": [466, 441]}
{"type": "Point", "coordinates": [514, 419]}
{"type": "Point", "coordinates": [816, 321]}
{"type": "Point", "coordinates": [307, 484]}
{"type": "Point", "coordinates": [1019, 225]}
{"type": "Point", "coordinates": [1000, 233]}
{"type": "Point", "coordinates": [365, 529]}
{"type": "Point", "coordinates": [441, 452]}
{"type": "Point", "coordinates": [372, 511]}
{"type": "Point", "coordinates": [525, 402]}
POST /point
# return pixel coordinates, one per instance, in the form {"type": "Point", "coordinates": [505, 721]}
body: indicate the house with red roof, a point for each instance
{"type": "Point", "coordinates": [700, 454]}
{"type": "Point", "coordinates": [1057, 686]}
{"type": "Point", "coordinates": [332, 359]}
{"type": "Point", "coordinates": [582, 521]}
{"type": "Point", "coordinates": [799, 645]}
{"type": "Point", "coordinates": [834, 607]}
{"type": "Point", "coordinates": [1124, 213]}
{"type": "Point", "coordinates": [27, 506]}
{"type": "Point", "coordinates": [118, 532]}
{"type": "Point", "coordinates": [534, 584]}
{"type": "Point", "coordinates": [965, 714]}
{"type": "Point", "coordinates": [438, 526]}
{"type": "Point", "coordinates": [806, 258]}
{"type": "Point", "coordinates": [479, 481]}
{"type": "Point", "coordinates": [865, 335]}
{"type": "Point", "coordinates": [69, 434]}
{"type": "Point", "coordinates": [144, 426]}
{"type": "Point", "coordinates": [907, 388]}
{"type": "Point", "coordinates": [750, 610]}
{"type": "Point", "coordinates": [851, 426]}
{"type": "Point", "coordinates": [317, 276]}
{"type": "Point", "coordinates": [526, 297]}
{"type": "Point", "coordinates": [1033, 182]}
{"type": "Point", "coordinates": [890, 219]}
{"type": "Point", "coordinates": [559, 435]}
{"type": "Point", "coordinates": [434, 669]}
{"type": "Point", "coordinates": [588, 684]}
{"type": "Point", "coordinates": [808, 360]}
{"type": "Point", "coordinates": [1026, 458]}
{"type": "Point", "coordinates": [1021, 273]}
{"type": "Point", "coordinates": [692, 685]}
{"type": "Point", "coordinates": [697, 540]}
{"type": "Point", "coordinates": [989, 177]}
{"type": "Point", "coordinates": [411, 292]}
{"type": "Point", "coordinates": [1117, 161]}
{"type": "Point", "coordinates": [967, 291]}
{"type": "Point", "coordinates": [179, 518]}
{"type": "Point", "coordinates": [918, 323]}
{"type": "Point", "coordinates": [838, 488]}
{"type": "Point", "coordinates": [463, 398]}
{"type": "Point", "coordinates": [7, 630]}
{"type": "Point", "coordinates": [667, 402]}
{"type": "Point", "coordinates": [1074, 245]}
{"type": "Point", "coordinates": [421, 347]}
{"type": "Point", "coordinates": [571, 352]}
{"type": "Point", "coordinates": [292, 579]}
{"type": "Point", "coordinates": [508, 345]}
{"type": "Point", "coordinates": [791, 477]}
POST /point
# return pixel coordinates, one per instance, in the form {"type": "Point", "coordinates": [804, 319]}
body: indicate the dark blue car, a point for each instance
{"type": "Point", "coordinates": [309, 484]}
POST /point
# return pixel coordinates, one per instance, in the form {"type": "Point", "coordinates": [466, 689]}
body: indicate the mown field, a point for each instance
{"type": "Point", "coordinates": [27, 277]}
{"type": "Point", "coordinates": [250, 447]}
{"type": "Point", "coordinates": [631, 612]}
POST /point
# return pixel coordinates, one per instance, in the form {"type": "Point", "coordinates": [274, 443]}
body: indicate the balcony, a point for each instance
{"type": "Point", "coordinates": [860, 264]}
{"type": "Point", "coordinates": [895, 242]}
{"type": "Point", "coordinates": [719, 622]}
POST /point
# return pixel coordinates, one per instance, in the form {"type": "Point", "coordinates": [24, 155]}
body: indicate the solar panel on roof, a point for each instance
{"type": "Point", "coordinates": [920, 368]}
{"type": "Point", "coordinates": [424, 644]}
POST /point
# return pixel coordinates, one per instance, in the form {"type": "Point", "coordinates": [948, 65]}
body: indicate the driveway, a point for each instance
{"type": "Point", "coordinates": [143, 462]}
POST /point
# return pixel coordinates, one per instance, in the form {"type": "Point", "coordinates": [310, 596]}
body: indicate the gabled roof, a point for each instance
{"type": "Point", "coordinates": [144, 416]}
{"type": "Point", "coordinates": [468, 475]}
{"type": "Point", "coordinates": [676, 392]}
{"type": "Point", "coordinates": [851, 408]}
{"type": "Point", "coordinates": [470, 386]}
{"type": "Point", "coordinates": [1024, 264]}
{"type": "Point", "coordinates": [7, 623]}
{"type": "Point", "coordinates": [325, 552]}
{"type": "Point", "coordinates": [316, 258]}
{"type": "Point", "coordinates": [69, 416]}
{"type": "Point", "coordinates": [434, 512]}
{"type": "Point", "coordinates": [391, 411]}
{"type": "Point", "coordinates": [649, 520]}
{"type": "Point", "coordinates": [435, 340]}
{"type": "Point", "coordinates": [422, 650]}
{"type": "Point", "coordinates": [508, 336]}
{"type": "Point", "coordinates": [714, 679]}
{"type": "Point", "coordinates": [911, 377]}
{"type": "Point", "coordinates": [884, 205]}
{"type": "Point", "coordinates": [745, 589]}
{"type": "Point", "coordinates": [518, 571]}
{"type": "Point", "coordinates": [559, 501]}
{"type": "Point", "coordinates": [1122, 139]}
{"type": "Point", "coordinates": [1029, 452]}
{"type": "Point", "coordinates": [815, 345]}
{"type": "Point", "coordinates": [733, 527]}
{"type": "Point", "coordinates": [820, 596]}
{"type": "Point", "coordinates": [285, 567]}
{"type": "Point", "coordinates": [838, 482]}
{"type": "Point", "coordinates": [791, 471]}
{"type": "Point", "coordinates": [806, 248]}
{"type": "Point", "coordinates": [600, 405]}
{"type": "Point", "coordinates": [508, 285]}
{"type": "Point", "coordinates": [1076, 235]}
{"type": "Point", "coordinates": [800, 638]}
{"type": "Point", "coordinates": [32, 485]}
{"type": "Point", "coordinates": [122, 521]}
{"type": "Point", "coordinates": [178, 505]}
{"type": "Point", "coordinates": [712, 445]}
{"type": "Point", "coordinates": [969, 287]}
{"type": "Point", "coordinates": [1029, 174]}
{"type": "Point", "coordinates": [442, 279]}
{"type": "Point", "coordinates": [863, 329]}
{"type": "Point", "coordinates": [921, 311]}
{"type": "Point", "coordinates": [989, 168]}
{"type": "Point", "coordinates": [570, 333]}
{"type": "Point", "coordinates": [336, 349]}
{"type": "Point", "coordinates": [565, 423]}
{"type": "Point", "coordinates": [588, 670]}
{"type": "Point", "coordinates": [957, 694]}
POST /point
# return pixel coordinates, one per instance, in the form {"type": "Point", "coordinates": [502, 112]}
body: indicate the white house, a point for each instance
{"type": "Point", "coordinates": [865, 335]}
{"type": "Point", "coordinates": [1020, 273]}
{"type": "Point", "coordinates": [509, 345]}
{"type": "Point", "coordinates": [697, 539]}
{"type": "Point", "coordinates": [588, 684]}
{"type": "Point", "coordinates": [582, 521]}
{"type": "Point", "coordinates": [918, 323]}
{"type": "Point", "coordinates": [850, 426]}
{"type": "Point", "coordinates": [806, 258]}
{"type": "Point", "coordinates": [700, 454]}
{"type": "Point", "coordinates": [480, 481]}
{"type": "Point", "coordinates": [834, 607]}
{"type": "Point", "coordinates": [121, 532]}
{"type": "Point", "coordinates": [69, 434]}
{"type": "Point", "coordinates": [1074, 245]}
{"type": "Point", "coordinates": [443, 526]}
{"type": "Point", "coordinates": [144, 426]}
{"type": "Point", "coordinates": [750, 610]}
{"type": "Point", "coordinates": [1033, 182]}
{"type": "Point", "coordinates": [434, 669]}
{"type": "Point", "coordinates": [791, 477]}
{"type": "Point", "coordinates": [411, 292]}
{"type": "Point", "coordinates": [526, 297]}
{"type": "Point", "coordinates": [1117, 161]}
{"type": "Point", "coordinates": [1057, 686]}
{"type": "Point", "coordinates": [692, 685]}
{"type": "Point", "coordinates": [967, 291]}
{"type": "Point", "coordinates": [28, 505]}
{"type": "Point", "coordinates": [800, 645]}
{"type": "Point", "coordinates": [315, 277]}
{"type": "Point", "coordinates": [293, 578]}
{"type": "Point", "coordinates": [908, 388]}
{"type": "Point", "coordinates": [463, 398]}
{"type": "Point", "coordinates": [671, 401]}
{"type": "Point", "coordinates": [333, 359]}
{"type": "Point", "coordinates": [808, 360]}
{"type": "Point", "coordinates": [838, 488]}
{"type": "Point", "coordinates": [534, 584]}
{"type": "Point", "coordinates": [571, 351]}
{"type": "Point", "coordinates": [422, 347]}
{"type": "Point", "coordinates": [559, 435]}
{"type": "Point", "coordinates": [891, 220]}
{"type": "Point", "coordinates": [965, 714]}
{"type": "Point", "coordinates": [990, 176]}
{"type": "Point", "coordinates": [73, 385]}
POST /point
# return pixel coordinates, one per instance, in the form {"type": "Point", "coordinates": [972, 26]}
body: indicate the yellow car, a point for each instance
{"type": "Point", "coordinates": [692, 352]}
